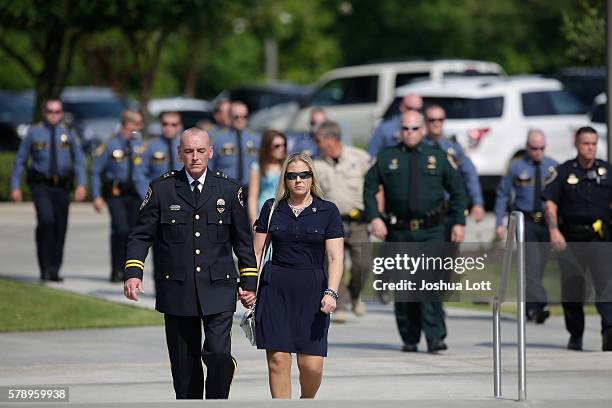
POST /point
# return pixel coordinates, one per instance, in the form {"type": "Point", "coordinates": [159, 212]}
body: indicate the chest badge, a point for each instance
{"type": "Point", "coordinates": [118, 154]}
{"type": "Point", "coordinates": [602, 171]}
{"type": "Point", "coordinates": [220, 205]}
{"type": "Point", "coordinates": [393, 164]}
{"type": "Point", "coordinates": [64, 138]}
{"type": "Point", "coordinates": [572, 179]}
{"type": "Point", "coordinates": [227, 149]}
{"type": "Point", "coordinates": [431, 163]}
{"type": "Point", "coordinates": [175, 207]}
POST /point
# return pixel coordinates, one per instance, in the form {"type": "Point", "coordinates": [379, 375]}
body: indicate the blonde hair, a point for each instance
{"type": "Point", "coordinates": [282, 191]}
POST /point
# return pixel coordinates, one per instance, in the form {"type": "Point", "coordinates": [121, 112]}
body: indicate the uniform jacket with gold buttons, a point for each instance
{"type": "Point", "coordinates": [197, 274]}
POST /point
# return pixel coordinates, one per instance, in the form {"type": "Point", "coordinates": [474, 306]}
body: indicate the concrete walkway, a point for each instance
{"type": "Point", "coordinates": [365, 366]}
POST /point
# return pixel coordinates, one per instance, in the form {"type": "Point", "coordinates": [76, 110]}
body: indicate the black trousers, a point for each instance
{"type": "Point", "coordinates": [536, 257]}
{"type": "Point", "coordinates": [51, 205]}
{"type": "Point", "coordinates": [578, 258]}
{"type": "Point", "coordinates": [124, 213]}
{"type": "Point", "coordinates": [184, 339]}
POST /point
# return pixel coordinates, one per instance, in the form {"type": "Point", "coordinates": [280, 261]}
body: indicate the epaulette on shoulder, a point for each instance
{"type": "Point", "coordinates": [221, 175]}
{"type": "Point", "coordinates": [166, 175]}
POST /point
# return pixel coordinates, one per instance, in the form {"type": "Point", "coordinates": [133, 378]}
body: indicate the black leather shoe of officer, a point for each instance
{"type": "Point", "coordinates": [436, 345]}
{"type": "Point", "coordinates": [607, 340]}
{"type": "Point", "coordinates": [574, 343]}
{"type": "Point", "coordinates": [56, 278]}
{"type": "Point", "coordinates": [410, 348]}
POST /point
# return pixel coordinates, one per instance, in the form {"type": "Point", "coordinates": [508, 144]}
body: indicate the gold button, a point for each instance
{"type": "Point", "coordinates": [173, 221]}
{"type": "Point", "coordinates": [197, 217]}
{"type": "Point", "coordinates": [198, 269]}
{"type": "Point", "coordinates": [197, 234]}
{"type": "Point", "coordinates": [220, 221]}
{"type": "Point", "coordinates": [197, 252]}
{"type": "Point", "coordinates": [167, 276]}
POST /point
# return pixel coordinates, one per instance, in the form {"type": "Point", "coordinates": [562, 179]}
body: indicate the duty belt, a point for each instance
{"type": "Point", "coordinates": [35, 177]}
{"type": "Point", "coordinates": [536, 216]}
{"type": "Point", "coordinates": [430, 220]}
{"type": "Point", "coordinates": [117, 188]}
{"type": "Point", "coordinates": [354, 215]}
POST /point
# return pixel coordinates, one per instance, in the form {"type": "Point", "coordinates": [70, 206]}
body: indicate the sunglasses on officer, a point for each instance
{"type": "Point", "coordinates": [410, 128]}
{"type": "Point", "coordinates": [302, 174]}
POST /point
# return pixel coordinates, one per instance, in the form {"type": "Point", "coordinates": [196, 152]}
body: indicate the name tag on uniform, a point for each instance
{"type": "Point", "coordinates": [175, 207]}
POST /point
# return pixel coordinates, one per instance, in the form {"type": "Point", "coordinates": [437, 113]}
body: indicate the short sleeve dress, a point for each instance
{"type": "Point", "coordinates": [288, 312]}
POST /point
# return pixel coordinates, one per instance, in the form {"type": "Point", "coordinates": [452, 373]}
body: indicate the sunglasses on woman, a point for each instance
{"type": "Point", "coordinates": [302, 174]}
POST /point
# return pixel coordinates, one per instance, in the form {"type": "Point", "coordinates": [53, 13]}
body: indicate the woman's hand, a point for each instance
{"type": "Point", "coordinates": [328, 304]}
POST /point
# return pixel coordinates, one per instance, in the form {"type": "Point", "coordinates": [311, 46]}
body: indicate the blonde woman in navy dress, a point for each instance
{"type": "Point", "coordinates": [296, 294]}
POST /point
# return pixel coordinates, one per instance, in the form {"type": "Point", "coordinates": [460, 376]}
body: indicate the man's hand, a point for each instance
{"type": "Point", "coordinates": [379, 229]}
{"type": "Point", "coordinates": [500, 231]}
{"type": "Point", "coordinates": [477, 213]}
{"type": "Point", "coordinates": [79, 193]}
{"type": "Point", "coordinates": [457, 233]}
{"type": "Point", "coordinates": [98, 204]}
{"type": "Point", "coordinates": [328, 304]}
{"type": "Point", "coordinates": [247, 297]}
{"type": "Point", "coordinates": [130, 286]}
{"type": "Point", "coordinates": [16, 196]}
{"type": "Point", "coordinates": [557, 240]}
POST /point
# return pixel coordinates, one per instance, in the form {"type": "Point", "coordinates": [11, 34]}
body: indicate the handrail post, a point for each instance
{"type": "Point", "coordinates": [516, 233]}
{"type": "Point", "coordinates": [520, 310]}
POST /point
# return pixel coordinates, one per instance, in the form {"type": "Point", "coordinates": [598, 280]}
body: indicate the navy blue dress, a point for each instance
{"type": "Point", "coordinates": [288, 312]}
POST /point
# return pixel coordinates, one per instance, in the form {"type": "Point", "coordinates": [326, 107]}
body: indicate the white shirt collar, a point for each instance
{"type": "Point", "coordinates": [201, 179]}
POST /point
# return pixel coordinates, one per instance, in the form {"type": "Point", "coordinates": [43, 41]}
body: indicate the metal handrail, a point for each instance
{"type": "Point", "coordinates": [515, 234]}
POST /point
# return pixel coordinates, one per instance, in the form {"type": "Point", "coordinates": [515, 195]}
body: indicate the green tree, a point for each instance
{"type": "Point", "coordinates": [586, 33]}
{"type": "Point", "coordinates": [41, 38]}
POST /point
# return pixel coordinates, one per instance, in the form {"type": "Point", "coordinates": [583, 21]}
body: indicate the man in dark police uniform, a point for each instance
{"type": "Point", "coordinates": [196, 217]}
{"type": "Point", "coordinates": [578, 212]}
{"type": "Point", "coordinates": [415, 177]}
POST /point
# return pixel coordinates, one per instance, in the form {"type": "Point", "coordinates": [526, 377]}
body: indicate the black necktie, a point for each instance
{"type": "Point", "coordinates": [537, 191]}
{"type": "Point", "coordinates": [53, 158]}
{"type": "Point", "coordinates": [128, 155]}
{"type": "Point", "coordinates": [414, 181]}
{"type": "Point", "coordinates": [239, 154]}
{"type": "Point", "coordinates": [196, 190]}
{"type": "Point", "coordinates": [170, 154]}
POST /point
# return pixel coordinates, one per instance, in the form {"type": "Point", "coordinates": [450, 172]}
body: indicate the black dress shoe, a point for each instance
{"type": "Point", "coordinates": [575, 343]}
{"type": "Point", "coordinates": [56, 279]}
{"type": "Point", "coordinates": [542, 315]}
{"type": "Point", "coordinates": [410, 348]}
{"type": "Point", "coordinates": [607, 340]}
{"type": "Point", "coordinates": [436, 345]}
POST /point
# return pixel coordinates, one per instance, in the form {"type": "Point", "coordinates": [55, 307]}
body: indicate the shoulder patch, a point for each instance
{"type": "Point", "coordinates": [100, 149]}
{"type": "Point", "coordinates": [147, 198]}
{"type": "Point", "coordinates": [239, 195]}
{"type": "Point", "coordinates": [452, 161]}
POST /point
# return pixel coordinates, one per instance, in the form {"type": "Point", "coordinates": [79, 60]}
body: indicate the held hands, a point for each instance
{"type": "Point", "coordinates": [328, 304]}
{"type": "Point", "coordinates": [130, 286]}
{"type": "Point", "coordinates": [247, 297]}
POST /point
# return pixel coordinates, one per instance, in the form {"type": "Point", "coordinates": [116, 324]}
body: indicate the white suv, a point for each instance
{"type": "Point", "coordinates": [490, 117]}
{"type": "Point", "coordinates": [355, 96]}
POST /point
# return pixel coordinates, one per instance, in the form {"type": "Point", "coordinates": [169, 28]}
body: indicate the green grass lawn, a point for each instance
{"type": "Point", "coordinates": [27, 306]}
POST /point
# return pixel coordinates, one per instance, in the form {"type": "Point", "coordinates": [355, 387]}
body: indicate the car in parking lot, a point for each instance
{"type": "Point", "coordinates": [257, 97]}
{"type": "Point", "coordinates": [93, 112]}
{"type": "Point", "coordinates": [193, 111]}
{"type": "Point", "coordinates": [356, 96]}
{"type": "Point", "coordinates": [16, 115]}
{"type": "Point", "coordinates": [490, 117]}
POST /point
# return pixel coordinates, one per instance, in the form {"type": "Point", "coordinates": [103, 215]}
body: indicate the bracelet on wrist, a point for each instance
{"type": "Point", "coordinates": [331, 293]}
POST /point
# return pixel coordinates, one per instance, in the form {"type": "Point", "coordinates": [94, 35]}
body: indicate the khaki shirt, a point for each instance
{"type": "Point", "coordinates": [342, 182]}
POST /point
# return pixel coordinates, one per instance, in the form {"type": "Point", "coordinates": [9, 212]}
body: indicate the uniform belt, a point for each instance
{"type": "Point", "coordinates": [582, 230]}
{"type": "Point", "coordinates": [117, 188]}
{"type": "Point", "coordinates": [354, 215]}
{"type": "Point", "coordinates": [414, 224]}
{"type": "Point", "coordinates": [35, 177]}
{"type": "Point", "coordinates": [535, 216]}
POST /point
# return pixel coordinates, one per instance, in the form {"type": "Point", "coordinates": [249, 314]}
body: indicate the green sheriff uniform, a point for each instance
{"type": "Point", "coordinates": [415, 181]}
